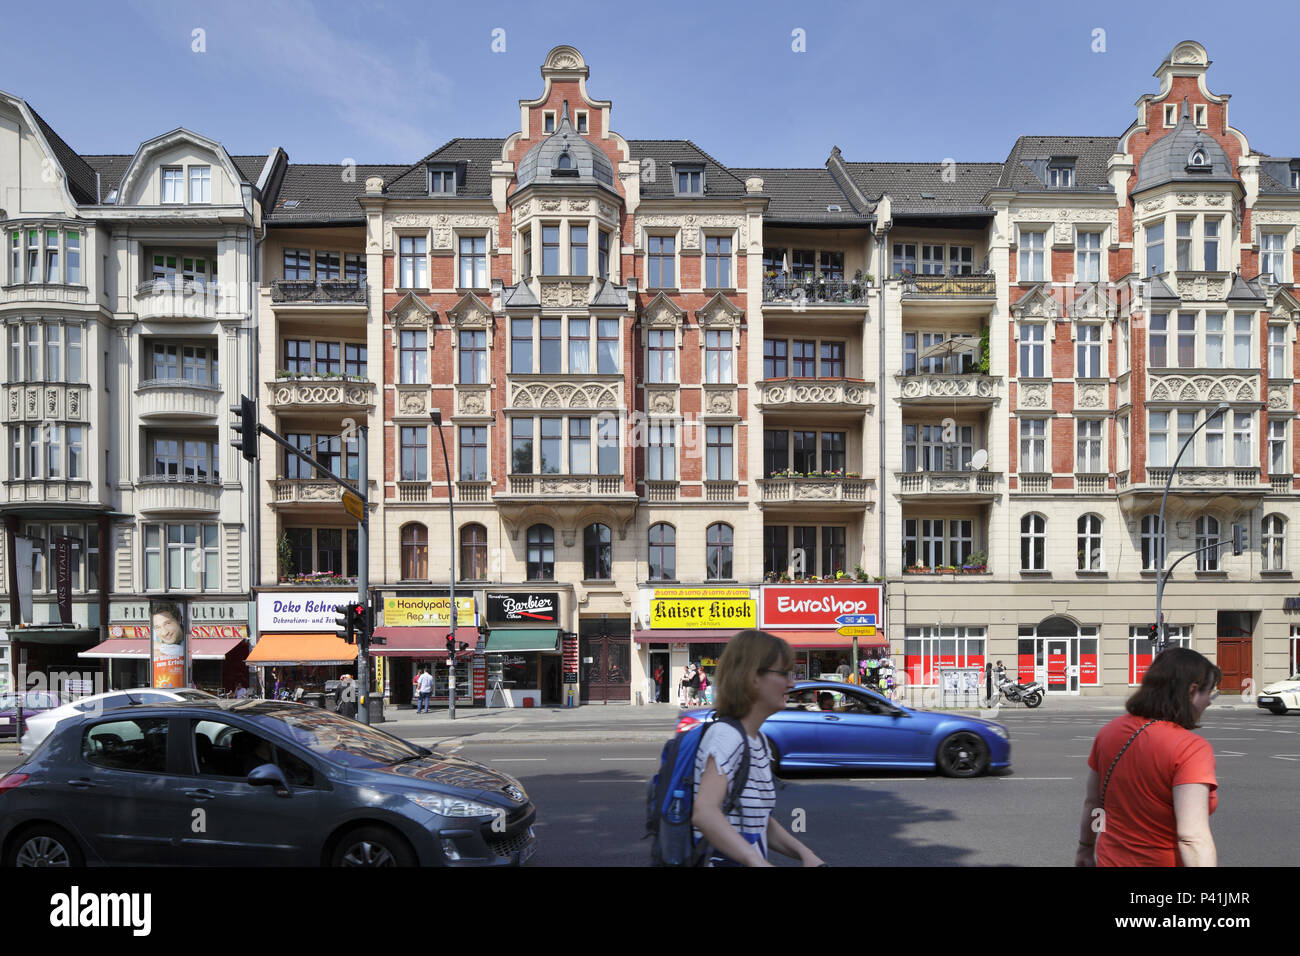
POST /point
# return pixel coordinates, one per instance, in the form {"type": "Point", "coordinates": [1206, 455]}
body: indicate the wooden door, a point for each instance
{"type": "Point", "coordinates": [1234, 659]}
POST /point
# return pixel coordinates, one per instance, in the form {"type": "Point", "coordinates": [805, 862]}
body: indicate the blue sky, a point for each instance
{"type": "Point", "coordinates": [387, 82]}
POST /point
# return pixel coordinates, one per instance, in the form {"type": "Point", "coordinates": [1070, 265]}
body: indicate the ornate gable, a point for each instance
{"type": "Point", "coordinates": [1285, 305]}
{"type": "Point", "coordinates": [412, 312]}
{"type": "Point", "coordinates": [719, 312]}
{"type": "Point", "coordinates": [470, 312]}
{"type": "Point", "coordinates": [1037, 304]}
{"type": "Point", "coordinates": [1093, 303]}
{"type": "Point", "coordinates": [662, 313]}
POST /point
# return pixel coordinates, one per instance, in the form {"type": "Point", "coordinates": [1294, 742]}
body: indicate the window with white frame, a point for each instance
{"type": "Point", "coordinates": [1033, 445]}
{"type": "Point", "coordinates": [1087, 257]}
{"type": "Point", "coordinates": [932, 259]}
{"type": "Point", "coordinates": [53, 255]}
{"type": "Point", "coordinates": [181, 557]}
{"type": "Point", "coordinates": [1185, 352]}
{"type": "Point", "coordinates": [473, 262]}
{"type": "Point", "coordinates": [661, 454]}
{"type": "Point", "coordinates": [1088, 450]}
{"type": "Point", "coordinates": [1214, 440]}
{"type": "Point", "coordinates": [1272, 256]}
{"type": "Point", "coordinates": [717, 262]}
{"type": "Point", "coordinates": [661, 367]}
{"type": "Point", "coordinates": [52, 451]}
{"type": "Point", "coordinates": [926, 649]}
{"type": "Point", "coordinates": [961, 260]}
{"type": "Point", "coordinates": [1060, 176]}
{"type": "Point", "coordinates": [1214, 339]}
{"type": "Point", "coordinates": [937, 542]}
{"type": "Point", "coordinates": [1183, 243]}
{"type": "Point", "coordinates": [473, 357]}
{"type": "Point", "coordinates": [200, 184]}
{"type": "Point", "coordinates": [1277, 351]}
{"type": "Point", "coordinates": [1123, 444]}
{"type": "Point", "coordinates": [1140, 650]}
{"type": "Point", "coordinates": [1152, 539]}
{"type": "Point", "coordinates": [1279, 463]}
{"type": "Point", "coordinates": [1273, 543]}
{"type": "Point", "coordinates": [924, 448]}
{"type": "Point", "coordinates": [1158, 340]}
{"type": "Point", "coordinates": [1087, 351]}
{"type": "Point", "coordinates": [1032, 349]}
{"type": "Point", "coordinates": [1207, 539]}
{"type": "Point", "coordinates": [550, 250]}
{"type": "Point", "coordinates": [904, 258]}
{"type": "Point", "coordinates": [473, 453]}
{"type": "Point", "coordinates": [717, 357]}
{"type": "Point", "coordinates": [413, 259]}
{"type": "Point", "coordinates": [1155, 248]}
{"type": "Point", "coordinates": [173, 184]}
{"type": "Point", "coordinates": [442, 180]}
{"type": "Point", "coordinates": [414, 447]}
{"type": "Point", "coordinates": [413, 357]}
{"type": "Point", "coordinates": [184, 459]}
{"type": "Point", "coordinates": [1186, 429]}
{"type": "Point", "coordinates": [718, 453]}
{"type": "Point", "coordinates": [47, 352]}
{"type": "Point", "coordinates": [1090, 552]}
{"type": "Point", "coordinates": [578, 250]}
{"type": "Point", "coordinates": [551, 350]}
{"type": "Point", "coordinates": [1243, 426]}
{"type": "Point", "coordinates": [1033, 543]}
{"type": "Point", "coordinates": [661, 262]}
{"type": "Point", "coordinates": [579, 346]}
{"type": "Point", "coordinates": [1211, 244]}
{"type": "Point", "coordinates": [1032, 262]}
{"type": "Point", "coordinates": [174, 362]}
{"type": "Point", "coordinates": [1243, 340]}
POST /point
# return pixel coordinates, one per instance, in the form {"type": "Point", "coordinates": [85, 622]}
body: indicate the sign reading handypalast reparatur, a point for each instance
{"type": "Point", "coordinates": [526, 608]}
{"type": "Point", "coordinates": [818, 606]}
{"type": "Point", "coordinates": [428, 612]}
{"type": "Point", "coordinates": [702, 608]}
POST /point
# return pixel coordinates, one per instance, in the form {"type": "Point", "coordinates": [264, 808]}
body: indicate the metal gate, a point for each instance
{"type": "Point", "coordinates": [605, 661]}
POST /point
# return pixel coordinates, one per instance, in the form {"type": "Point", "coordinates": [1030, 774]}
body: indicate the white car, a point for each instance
{"type": "Point", "coordinates": [1281, 696]}
{"type": "Point", "coordinates": [39, 726]}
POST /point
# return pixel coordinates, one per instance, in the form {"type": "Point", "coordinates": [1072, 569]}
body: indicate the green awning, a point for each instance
{"type": "Point", "coordinates": [70, 636]}
{"type": "Point", "coordinates": [511, 639]}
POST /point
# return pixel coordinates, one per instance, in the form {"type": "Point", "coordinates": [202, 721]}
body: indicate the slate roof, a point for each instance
{"type": "Point", "coordinates": [588, 165]}
{"type": "Point", "coordinates": [521, 297]}
{"type": "Point", "coordinates": [802, 195]}
{"type": "Point", "coordinates": [920, 189]}
{"type": "Point", "coordinates": [718, 179]}
{"type": "Point", "coordinates": [1026, 167]}
{"type": "Point", "coordinates": [322, 193]}
{"type": "Point", "coordinates": [1246, 290]}
{"type": "Point", "coordinates": [1275, 176]}
{"type": "Point", "coordinates": [81, 178]}
{"type": "Point", "coordinates": [476, 155]}
{"type": "Point", "coordinates": [610, 295]}
{"type": "Point", "coordinates": [1165, 161]}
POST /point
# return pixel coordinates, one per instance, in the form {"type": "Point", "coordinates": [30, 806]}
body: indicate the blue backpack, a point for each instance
{"type": "Point", "coordinates": [670, 797]}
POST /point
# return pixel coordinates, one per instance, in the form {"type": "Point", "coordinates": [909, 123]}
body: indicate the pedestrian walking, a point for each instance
{"type": "Point", "coordinates": [693, 685]}
{"type": "Point", "coordinates": [348, 696]}
{"type": "Point", "coordinates": [424, 686]}
{"type": "Point", "coordinates": [659, 684]}
{"type": "Point", "coordinates": [1152, 786]}
{"type": "Point", "coordinates": [752, 679]}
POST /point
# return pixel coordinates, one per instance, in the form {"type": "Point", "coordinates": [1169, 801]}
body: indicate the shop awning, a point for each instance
{"type": "Point", "coordinates": [136, 648]}
{"type": "Point", "coordinates": [519, 639]}
{"type": "Point", "coordinates": [684, 637]}
{"type": "Point", "coordinates": [815, 640]}
{"type": "Point", "coordinates": [53, 634]}
{"type": "Point", "coordinates": [301, 650]}
{"type": "Point", "coordinates": [426, 643]}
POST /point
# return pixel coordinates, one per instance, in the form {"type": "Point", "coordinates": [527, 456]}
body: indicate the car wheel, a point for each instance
{"type": "Point", "coordinates": [1280, 711]}
{"type": "Point", "coordinates": [963, 754]}
{"type": "Point", "coordinates": [1034, 699]}
{"type": "Point", "coordinates": [372, 846]}
{"type": "Point", "coordinates": [44, 845]}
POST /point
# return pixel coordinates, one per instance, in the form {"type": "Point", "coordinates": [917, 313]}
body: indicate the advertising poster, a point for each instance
{"type": "Point", "coordinates": [169, 649]}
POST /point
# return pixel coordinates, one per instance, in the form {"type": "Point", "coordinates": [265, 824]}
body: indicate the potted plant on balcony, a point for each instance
{"type": "Point", "coordinates": [860, 574]}
{"type": "Point", "coordinates": [982, 366]}
{"type": "Point", "coordinates": [284, 555]}
{"type": "Point", "coordinates": [917, 569]}
{"type": "Point", "coordinates": [785, 578]}
{"type": "Point", "coordinates": [976, 563]}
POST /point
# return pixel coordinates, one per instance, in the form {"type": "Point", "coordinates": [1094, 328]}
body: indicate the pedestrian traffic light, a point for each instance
{"type": "Point", "coordinates": [344, 623]}
{"type": "Point", "coordinates": [451, 646]}
{"type": "Point", "coordinates": [1238, 538]}
{"type": "Point", "coordinates": [357, 612]}
{"type": "Point", "coordinates": [244, 427]}
{"type": "Point", "coordinates": [1154, 633]}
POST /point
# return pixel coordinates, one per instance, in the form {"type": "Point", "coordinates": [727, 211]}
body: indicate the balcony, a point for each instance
{"type": "Point", "coordinates": [565, 486]}
{"type": "Point", "coordinates": [314, 393]}
{"type": "Point", "coordinates": [984, 286]}
{"type": "Point", "coordinates": [563, 500]}
{"type": "Point", "coordinates": [177, 298]}
{"type": "Point", "coordinates": [821, 395]}
{"type": "Point", "coordinates": [814, 492]}
{"type": "Point", "coordinates": [176, 398]}
{"type": "Point", "coordinates": [177, 493]}
{"type": "Point", "coordinates": [719, 491]}
{"type": "Point", "coordinates": [474, 492]}
{"type": "Point", "coordinates": [966, 390]}
{"type": "Point", "coordinates": [1280, 484]}
{"type": "Point", "coordinates": [660, 491]}
{"type": "Point", "coordinates": [803, 292]}
{"type": "Point", "coordinates": [1195, 490]}
{"type": "Point", "coordinates": [1090, 484]}
{"type": "Point", "coordinates": [318, 292]}
{"type": "Point", "coordinates": [310, 491]}
{"type": "Point", "coordinates": [978, 486]}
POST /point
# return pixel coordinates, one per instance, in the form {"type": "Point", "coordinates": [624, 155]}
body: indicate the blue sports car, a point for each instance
{"type": "Point", "coordinates": [827, 725]}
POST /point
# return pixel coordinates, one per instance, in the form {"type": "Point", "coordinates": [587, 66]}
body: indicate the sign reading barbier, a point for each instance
{"type": "Point", "coordinates": [523, 608]}
{"type": "Point", "coordinates": [702, 609]}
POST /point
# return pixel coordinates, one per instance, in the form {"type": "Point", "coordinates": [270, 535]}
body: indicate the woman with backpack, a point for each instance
{"type": "Point", "coordinates": [751, 682]}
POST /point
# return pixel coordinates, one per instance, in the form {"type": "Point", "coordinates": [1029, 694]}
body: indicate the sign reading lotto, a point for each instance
{"type": "Point", "coordinates": [817, 606]}
{"type": "Point", "coordinates": [428, 612]}
{"type": "Point", "coordinates": [702, 609]}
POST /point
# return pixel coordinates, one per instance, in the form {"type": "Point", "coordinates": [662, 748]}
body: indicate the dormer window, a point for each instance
{"type": "Point", "coordinates": [442, 180]}
{"type": "Point", "coordinates": [1199, 160]}
{"type": "Point", "coordinates": [689, 180]}
{"type": "Point", "coordinates": [564, 162]}
{"type": "Point", "coordinates": [173, 184]}
{"type": "Point", "coordinates": [564, 165]}
{"type": "Point", "coordinates": [1059, 177]}
{"type": "Point", "coordinates": [1295, 179]}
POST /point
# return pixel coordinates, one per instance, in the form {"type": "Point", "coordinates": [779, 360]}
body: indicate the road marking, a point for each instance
{"type": "Point", "coordinates": [511, 727]}
{"type": "Point", "coordinates": [1035, 778]}
{"type": "Point", "coordinates": [886, 780]}
{"type": "Point", "coordinates": [1220, 739]}
{"type": "Point", "coordinates": [639, 783]}
{"type": "Point", "coordinates": [518, 759]}
{"type": "Point", "coordinates": [1230, 753]}
{"type": "Point", "coordinates": [1292, 757]}
{"type": "Point", "coordinates": [650, 759]}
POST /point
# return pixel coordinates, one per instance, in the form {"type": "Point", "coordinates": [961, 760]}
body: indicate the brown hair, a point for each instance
{"type": "Point", "coordinates": [746, 654]}
{"type": "Point", "coordinates": [1165, 693]}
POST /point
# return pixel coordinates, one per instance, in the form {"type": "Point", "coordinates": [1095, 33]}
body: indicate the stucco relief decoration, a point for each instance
{"type": "Point", "coordinates": [952, 483]}
{"type": "Point", "coordinates": [1278, 397]}
{"type": "Point", "coordinates": [1180, 388]}
{"type": "Point", "coordinates": [473, 403]}
{"type": "Point", "coordinates": [579, 205]}
{"type": "Point", "coordinates": [815, 490]}
{"type": "Point", "coordinates": [1187, 199]}
{"type": "Point", "coordinates": [1153, 205]}
{"type": "Point", "coordinates": [1034, 396]}
{"type": "Point", "coordinates": [565, 486]}
{"type": "Point", "coordinates": [414, 318]}
{"type": "Point", "coordinates": [662, 403]}
{"type": "Point", "coordinates": [15, 402]}
{"type": "Point", "coordinates": [401, 221]}
{"type": "Point", "coordinates": [1216, 199]}
{"type": "Point", "coordinates": [1188, 55]}
{"type": "Point", "coordinates": [1272, 217]}
{"type": "Point", "coordinates": [557, 294]}
{"type": "Point", "coordinates": [549, 205]}
{"type": "Point", "coordinates": [720, 403]}
{"type": "Point", "coordinates": [317, 491]}
{"type": "Point", "coordinates": [717, 315]}
{"type": "Point", "coordinates": [604, 210]}
{"type": "Point", "coordinates": [1091, 396]}
{"type": "Point", "coordinates": [1201, 288]}
{"type": "Point", "coordinates": [691, 228]}
{"type": "Point", "coordinates": [413, 403]}
{"type": "Point", "coordinates": [33, 402]}
{"type": "Point", "coordinates": [564, 60]}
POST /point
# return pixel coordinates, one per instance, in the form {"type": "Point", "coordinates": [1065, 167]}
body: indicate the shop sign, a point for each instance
{"type": "Point", "coordinates": [216, 613]}
{"type": "Point", "coordinates": [700, 594]}
{"type": "Point", "coordinates": [428, 612]}
{"type": "Point", "coordinates": [129, 631]}
{"type": "Point", "coordinates": [128, 612]}
{"type": "Point", "coordinates": [735, 613]}
{"type": "Point", "coordinates": [220, 631]}
{"type": "Point", "coordinates": [570, 677]}
{"type": "Point", "coordinates": [810, 606]}
{"type": "Point", "coordinates": [300, 610]}
{"type": "Point", "coordinates": [523, 608]}
{"type": "Point", "coordinates": [63, 576]}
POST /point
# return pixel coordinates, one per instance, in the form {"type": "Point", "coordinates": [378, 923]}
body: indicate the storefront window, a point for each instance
{"type": "Point", "coordinates": [1140, 651]}
{"type": "Point", "coordinates": [926, 649]}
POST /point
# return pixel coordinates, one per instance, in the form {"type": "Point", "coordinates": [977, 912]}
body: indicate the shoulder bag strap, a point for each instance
{"type": "Point", "coordinates": [1106, 782]}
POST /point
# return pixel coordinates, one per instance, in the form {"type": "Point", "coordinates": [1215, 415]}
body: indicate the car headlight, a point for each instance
{"type": "Point", "coordinates": [448, 806]}
{"type": "Point", "coordinates": [1000, 731]}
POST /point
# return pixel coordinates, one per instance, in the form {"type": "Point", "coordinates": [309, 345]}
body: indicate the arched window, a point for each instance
{"type": "Point", "coordinates": [597, 553]}
{"type": "Point", "coordinates": [1274, 543]}
{"type": "Point", "coordinates": [1207, 534]}
{"type": "Point", "coordinates": [1033, 543]}
{"type": "Point", "coordinates": [663, 552]}
{"type": "Point", "coordinates": [473, 553]}
{"type": "Point", "coordinates": [1153, 544]}
{"type": "Point", "coordinates": [1090, 543]}
{"type": "Point", "coordinates": [415, 552]}
{"type": "Point", "coordinates": [718, 565]}
{"type": "Point", "coordinates": [1197, 158]}
{"type": "Point", "coordinates": [541, 553]}
{"type": "Point", "coordinates": [564, 161]}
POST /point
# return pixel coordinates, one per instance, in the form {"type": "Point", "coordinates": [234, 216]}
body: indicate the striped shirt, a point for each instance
{"type": "Point", "coordinates": [722, 742]}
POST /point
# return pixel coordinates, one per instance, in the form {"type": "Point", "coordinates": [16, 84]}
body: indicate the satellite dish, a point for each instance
{"type": "Point", "coordinates": [979, 459]}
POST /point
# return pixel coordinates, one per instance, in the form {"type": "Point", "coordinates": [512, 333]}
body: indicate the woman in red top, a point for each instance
{"type": "Point", "coordinates": [1155, 808]}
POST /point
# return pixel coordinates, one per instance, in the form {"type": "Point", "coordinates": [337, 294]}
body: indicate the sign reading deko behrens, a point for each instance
{"type": "Point", "coordinates": [702, 609]}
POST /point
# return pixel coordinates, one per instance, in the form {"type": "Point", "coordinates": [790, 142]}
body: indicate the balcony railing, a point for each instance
{"type": "Point", "coordinates": [310, 491]}
{"type": "Point", "coordinates": [176, 297]}
{"type": "Point", "coordinates": [777, 393]}
{"type": "Point", "coordinates": [1281, 484]}
{"type": "Point", "coordinates": [1194, 478]}
{"type": "Point", "coordinates": [475, 492]}
{"type": "Point", "coordinates": [1035, 484]}
{"type": "Point", "coordinates": [326, 291]}
{"type": "Point", "coordinates": [313, 393]}
{"type": "Point", "coordinates": [982, 389]}
{"type": "Point", "coordinates": [949, 482]}
{"type": "Point", "coordinates": [177, 397]}
{"type": "Point", "coordinates": [984, 285]}
{"type": "Point", "coordinates": [565, 486]}
{"type": "Point", "coordinates": [805, 291]}
{"type": "Point", "coordinates": [719, 491]}
{"type": "Point", "coordinates": [813, 490]}
{"type": "Point", "coordinates": [1090, 484]}
{"type": "Point", "coordinates": [410, 491]}
{"type": "Point", "coordinates": [661, 490]}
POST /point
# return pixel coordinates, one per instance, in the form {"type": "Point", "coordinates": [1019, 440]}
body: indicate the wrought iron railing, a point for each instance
{"type": "Point", "coordinates": [325, 291]}
{"type": "Point", "coordinates": [964, 285]}
{"type": "Point", "coordinates": [815, 291]}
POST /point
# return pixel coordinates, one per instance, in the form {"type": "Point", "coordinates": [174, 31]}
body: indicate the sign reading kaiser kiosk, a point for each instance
{"type": "Point", "coordinates": [701, 609]}
{"type": "Point", "coordinates": [812, 606]}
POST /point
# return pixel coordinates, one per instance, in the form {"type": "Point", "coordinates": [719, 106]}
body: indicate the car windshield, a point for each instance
{"type": "Point", "coordinates": [342, 741]}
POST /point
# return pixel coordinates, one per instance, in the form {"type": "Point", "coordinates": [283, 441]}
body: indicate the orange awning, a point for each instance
{"type": "Point", "coordinates": [298, 650]}
{"type": "Point", "coordinates": [823, 640]}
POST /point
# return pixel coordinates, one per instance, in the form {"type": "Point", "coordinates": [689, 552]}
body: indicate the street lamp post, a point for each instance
{"type": "Point", "coordinates": [436, 415]}
{"type": "Point", "coordinates": [1164, 538]}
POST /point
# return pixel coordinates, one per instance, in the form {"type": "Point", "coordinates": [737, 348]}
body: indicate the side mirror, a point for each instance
{"type": "Point", "coordinates": [269, 775]}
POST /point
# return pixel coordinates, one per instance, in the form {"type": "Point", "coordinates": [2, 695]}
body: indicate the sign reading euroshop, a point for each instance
{"type": "Point", "coordinates": [809, 606]}
{"type": "Point", "coordinates": [300, 610]}
{"type": "Point", "coordinates": [428, 612]}
{"type": "Point", "coordinates": [528, 609]}
{"type": "Point", "coordinates": [701, 609]}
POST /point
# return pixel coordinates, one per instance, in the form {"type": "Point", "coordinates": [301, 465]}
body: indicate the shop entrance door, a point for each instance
{"type": "Point", "coordinates": [659, 664]}
{"type": "Point", "coordinates": [1234, 658]}
{"type": "Point", "coordinates": [605, 657]}
{"type": "Point", "coordinates": [1061, 656]}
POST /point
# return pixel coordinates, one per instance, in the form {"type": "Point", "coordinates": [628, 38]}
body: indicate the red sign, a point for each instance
{"type": "Point", "coordinates": [1137, 667]}
{"type": "Point", "coordinates": [1056, 664]}
{"type": "Point", "coordinates": [1025, 669]}
{"type": "Point", "coordinates": [239, 631]}
{"type": "Point", "coordinates": [814, 606]}
{"type": "Point", "coordinates": [1088, 669]}
{"type": "Point", "coordinates": [480, 678]}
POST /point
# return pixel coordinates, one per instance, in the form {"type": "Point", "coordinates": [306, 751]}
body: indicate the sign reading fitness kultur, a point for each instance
{"type": "Point", "coordinates": [702, 609]}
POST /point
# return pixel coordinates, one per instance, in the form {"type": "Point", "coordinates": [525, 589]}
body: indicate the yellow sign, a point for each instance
{"type": "Point", "coordinates": [700, 594]}
{"type": "Point", "coordinates": [723, 613]}
{"type": "Point", "coordinates": [427, 612]}
{"type": "Point", "coordinates": [865, 630]}
{"type": "Point", "coordinates": [380, 668]}
{"type": "Point", "coordinates": [353, 505]}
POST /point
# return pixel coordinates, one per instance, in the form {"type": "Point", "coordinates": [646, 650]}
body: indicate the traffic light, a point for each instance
{"type": "Point", "coordinates": [451, 646]}
{"type": "Point", "coordinates": [360, 624]}
{"type": "Point", "coordinates": [370, 627]}
{"type": "Point", "coordinates": [345, 622]}
{"type": "Point", "coordinates": [244, 427]}
{"type": "Point", "coordinates": [1153, 633]}
{"type": "Point", "coordinates": [1238, 538]}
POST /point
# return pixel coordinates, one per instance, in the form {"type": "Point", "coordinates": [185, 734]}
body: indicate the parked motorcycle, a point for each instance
{"type": "Point", "coordinates": [1031, 694]}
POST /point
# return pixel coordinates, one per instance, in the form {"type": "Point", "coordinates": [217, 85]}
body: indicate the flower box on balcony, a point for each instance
{"type": "Point", "coordinates": [974, 569]}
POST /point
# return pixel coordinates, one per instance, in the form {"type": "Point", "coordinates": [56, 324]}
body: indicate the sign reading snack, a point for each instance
{"type": "Point", "coordinates": [723, 613]}
{"type": "Point", "coordinates": [811, 606]}
{"type": "Point", "coordinates": [428, 612]}
{"type": "Point", "coordinates": [541, 610]}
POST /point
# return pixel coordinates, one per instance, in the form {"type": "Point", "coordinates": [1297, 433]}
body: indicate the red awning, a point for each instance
{"type": "Point", "coordinates": [822, 640]}
{"type": "Point", "coordinates": [214, 648]}
{"type": "Point", "coordinates": [683, 637]}
{"type": "Point", "coordinates": [136, 648]}
{"type": "Point", "coordinates": [426, 643]}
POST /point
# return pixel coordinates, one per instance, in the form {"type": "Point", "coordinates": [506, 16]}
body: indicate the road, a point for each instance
{"type": "Point", "coordinates": [591, 799]}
